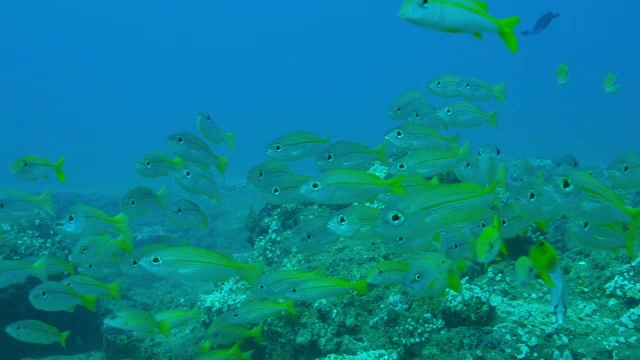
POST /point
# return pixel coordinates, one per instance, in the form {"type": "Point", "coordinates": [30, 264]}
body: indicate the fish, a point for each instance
{"type": "Point", "coordinates": [140, 200]}
{"type": "Point", "coordinates": [15, 204]}
{"type": "Point", "coordinates": [156, 164]}
{"type": "Point", "coordinates": [187, 213]}
{"type": "Point", "coordinates": [37, 332]}
{"type": "Point", "coordinates": [445, 85]}
{"type": "Point", "coordinates": [324, 288]}
{"type": "Point", "coordinates": [490, 243]}
{"type": "Point", "coordinates": [414, 136]}
{"type": "Point", "coordinates": [387, 273]}
{"type": "Point", "coordinates": [404, 105]}
{"type": "Point", "coordinates": [285, 191]}
{"type": "Point", "coordinates": [480, 90]}
{"type": "Point", "coordinates": [17, 271]}
{"type": "Point", "coordinates": [610, 237]}
{"type": "Point", "coordinates": [192, 149]}
{"type": "Point", "coordinates": [83, 220]}
{"type": "Point", "coordinates": [349, 155]}
{"type": "Point", "coordinates": [460, 16]}
{"type": "Point", "coordinates": [268, 173]}
{"type": "Point", "coordinates": [354, 222]}
{"type": "Point", "coordinates": [274, 284]}
{"type": "Point", "coordinates": [545, 260]}
{"type": "Point", "coordinates": [559, 294]}
{"type": "Point", "coordinates": [343, 186]}
{"type": "Point", "coordinates": [295, 146]}
{"type": "Point", "coordinates": [430, 274]}
{"type": "Point", "coordinates": [56, 296]}
{"type": "Point", "coordinates": [89, 248]}
{"type": "Point", "coordinates": [525, 271]}
{"type": "Point", "coordinates": [196, 179]}
{"type": "Point", "coordinates": [175, 318]}
{"type": "Point", "coordinates": [195, 263]}
{"type": "Point", "coordinates": [314, 235]}
{"type": "Point", "coordinates": [221, 333]}
{"type": "Point", "coordinates": [429, 162]}
{"type": "Point", "coordinates": [140, 322]}
{"type": "Point", "coordinates": [464, 114]}
{"type": "Point", "coordinates": [610, 84]}
{"type": "Point", "coordinates": [257, 311]}
{"type": "Point", "coordinates": [212, 132]}
{"type": "Point", "coordinates": [86, 285]}
{"type": "Point", "coordinates": [562, 75]}
{"type": "Point", "coordinates": [35, 168]}
{"type": "Point", "coordinates": [541, 23]}
{"type": "Point", "coordinates": [623, 172]}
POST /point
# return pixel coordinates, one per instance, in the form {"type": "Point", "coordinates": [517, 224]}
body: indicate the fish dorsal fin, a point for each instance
{"type": "Point", "coordinates": [482, 5]}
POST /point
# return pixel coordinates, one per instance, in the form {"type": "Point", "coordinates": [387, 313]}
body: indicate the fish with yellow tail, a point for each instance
{"type": "Point", "coordinates": [460, 16]}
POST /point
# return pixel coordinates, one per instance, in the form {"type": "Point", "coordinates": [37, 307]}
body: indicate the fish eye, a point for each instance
{"type": "Point", "coordinates": [448, 111]}
{"type": "Point", "coordinates": [467, 85]}
{"type": "Point", "coordinates": [90, 266]}
{"type": "Point", "coordinates": [18, 327]}
{"type": "Point", "coordinates": [418, 277]}
{"type": "Point", "coordinates": [400, 239]}
{"type": "Point", "coordinates": [277, 147]}
{"type": "Point", "coordinates": [25, 164]}
{"type": "Point", "coordinates": [83, 249]}
{"type": "Point", "coordinates": [187, 173]}
{"type": "Point", "coordinates": [43, 293]}
{"type": "Point", "coordinates": [540, 243]}
{"type": "Point", "coordinates": [133, 202]}
{"type": "Point", "coordinates": [455, 246]}
{"type": "Point", "coordinates": [504, 222]}
{"type": "Point", "coordinates": [315, 185]}
{"type": "Point", "coordinates": [396, 217]}
{"type": "Point", "coordinates": [260, 174]}
{"type": "Point", "coordinates": [479, 153]}
{"type": "Point", "coordinates": [483, 224]}
{"type": "Point", "coordinates": [342, 219]}
{"type": "Point", "coordinates": [68, 283]}
{"type": "Point", "coordinates": [498, 152]}
{"type": "Point", "coordinates": [179, 211]}
{"type": "Point", "coordinates": [467, 165]}
{"type": "Point", "coordinates": [261, 287]}
{"type": "Point", "coordinates": [294, 290]}
{"type": "Point", "coordinates": [113, 316]}
{"type": "Point", "coordinates": [180, 139]}
{"type": "Point", "coordinates": [438, 83]}
{"type": "Point", "coordinates": [566, 184]}
{"type": "Point", "coordinates": [625, 168]}
{"type": "Point", "coordinates": [71, 218]}
{"type": "Point", "coordinates": [399, 133]}
{"type": "Point", "coordinates": [147, 163]}
{"type": "Point", "coordinates": [308, 236]}
{"type": "Point", "coordinates": [329, 157]}
{"type": "Point", "coordinates": [1, 206]}
{"type": "Point", "coordinates": [532, 195]}
{"type": "Point", "coordinates": [275, 190]}
{"type": "Point", "coordinates": [585, 225]}
{"type": "Point", "coordinates": [402, 166]}
{"type": "Point", "coordinates": [156, 260]}
{"type": "Point", "coordinates": [398, 109]}
{"type": "Point", "coordinates": [134, 262]}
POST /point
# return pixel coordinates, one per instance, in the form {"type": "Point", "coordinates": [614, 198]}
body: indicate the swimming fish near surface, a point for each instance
{"type": "Point", "coordinates": [542, 23]}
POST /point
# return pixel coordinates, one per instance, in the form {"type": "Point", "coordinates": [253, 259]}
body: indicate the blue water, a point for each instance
{"type": "Point", "coordinates": [103, 83]}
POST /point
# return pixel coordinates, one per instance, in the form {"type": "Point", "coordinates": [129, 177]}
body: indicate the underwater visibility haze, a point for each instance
{"type": "Point", "coordinates": [338, 180]}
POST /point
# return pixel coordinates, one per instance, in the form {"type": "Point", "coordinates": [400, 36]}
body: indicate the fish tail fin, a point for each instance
{"type": "Point", "coordinates": [256, 333]}
{"type": "Point", "coordinates": [454, 281]}
{"type": "Point", "coordinates": [381, 152]}
{"type": "Point", "coordinates": [63, 338]}
{"type": "Point", "coordinates": [396, 185]}
{"type": "Point", "coordinates": [89, 302]}
{"type": "Point", "coordinates": [59, 172]}
{"type": "Point", "coordinates": [290, 307]}
{"type": "Point", "coordinates": [164, 327]}
{"type": "Point", "coordinates": [223, 163]}
{"type": "Point", "coordinates": [231, 140]}
{"type": "Point", "coordinates": [121, 223]}
{"type": "Point", "coordinates": [125, 243]}
{"type": "Point", "coordinates": [114, 290]}
{"type": "Point", "coordinates": [40, 268]}
{"type": "Point", "coordinates": [252, 273]}
{"type": "Point", "coordinates": [498, 92]}
{"type": "Point", "coordinates": [163, 196]}
{"type": "Point", "coordinates": [361, 287]}
{"type": "Point", "coordinates": [506, 32]}
{"type": "Point", "coordinates": [46, 202]}
{"type": "Point", "coordinates": [493, 119]}
{"type": "Point", "coordinates": [465, 150]}
{"type": "Point", "coordinates": [178, 163]}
